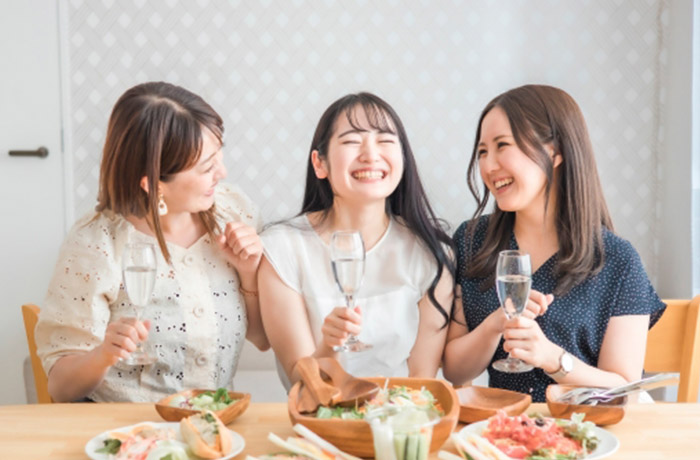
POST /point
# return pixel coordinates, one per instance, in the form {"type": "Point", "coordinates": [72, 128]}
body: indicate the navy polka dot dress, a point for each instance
{"type": "Point", "coordinates": [576, 321]}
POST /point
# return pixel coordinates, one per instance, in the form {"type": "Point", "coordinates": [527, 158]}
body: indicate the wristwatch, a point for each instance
{"type": "Point", "coordinates": [566, 364]}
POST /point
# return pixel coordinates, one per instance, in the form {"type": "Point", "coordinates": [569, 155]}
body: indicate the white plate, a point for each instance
{"type": "Point", "coordinates": [607, 445]}
{"type": "Point", "coordinates": [237, 441]}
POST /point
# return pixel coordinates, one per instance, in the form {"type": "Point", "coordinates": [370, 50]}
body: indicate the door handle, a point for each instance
{"type": "Point", "coordinates": [41, 152]}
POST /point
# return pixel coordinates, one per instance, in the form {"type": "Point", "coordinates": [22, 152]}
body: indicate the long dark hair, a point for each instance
{"type": "Point", "coordinates": [542, 115]}
{"type": "Point", "coordinates": [408, 201]}
{"type": "Point", "coordinates": [155, 130]}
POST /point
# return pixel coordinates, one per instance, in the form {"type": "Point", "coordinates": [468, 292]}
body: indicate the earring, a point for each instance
{"type": "Point", "coordinates": [162, 207]}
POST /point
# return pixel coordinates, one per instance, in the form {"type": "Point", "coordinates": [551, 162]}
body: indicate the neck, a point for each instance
{"type": "Point", "coordinates": [536, 232]}
{"type": "Point", "coordinates": [179, 228]}
{"type": "Point", "coordinates": [371, 220]}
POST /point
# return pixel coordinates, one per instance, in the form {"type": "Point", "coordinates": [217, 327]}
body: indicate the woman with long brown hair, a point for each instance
{"type": "Point", "coordinates": [591, 302]}
{"type": "Point", "coordinates": [159, 185]}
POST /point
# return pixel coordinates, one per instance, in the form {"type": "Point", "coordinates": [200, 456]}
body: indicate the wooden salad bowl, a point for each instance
{"type": "Point", "coordinates": [227, 414]}
{"type": "Point", "coordinates": [479, 403]}
{"type": "Point", "coordinates": [600, 414]}
{"type": "Point", "coordinates": [355, 436]}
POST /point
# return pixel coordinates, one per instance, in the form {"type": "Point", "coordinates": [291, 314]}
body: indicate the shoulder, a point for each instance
{"type": "Point", "coordinates": [292, 233]}
{"type": "Point", "coordinates": [470, 232]}
{"type": "Point", "coordinates": [233, 204]}
{"type": "Point", "coordinates": [617, 249]}
{"type": "Point", "coordinates": [97, 228]}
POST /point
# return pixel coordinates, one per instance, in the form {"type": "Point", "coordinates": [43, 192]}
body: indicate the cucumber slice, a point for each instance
{"type": "Point", "coordinates": [412, 447]}
{"type": "Point", "coordinates": [400, 445]}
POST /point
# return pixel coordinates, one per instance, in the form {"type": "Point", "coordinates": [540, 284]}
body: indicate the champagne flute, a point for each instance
{"type": "Point", "coordinates": [513, 279]}
{"type": "Point", "coordinates": [139, 271]}
{"type": "Point", "coordinates": [348, 262]}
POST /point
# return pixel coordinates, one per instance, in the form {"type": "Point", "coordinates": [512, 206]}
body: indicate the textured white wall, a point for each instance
{"type": "Point", "coordinates": [271, 67]}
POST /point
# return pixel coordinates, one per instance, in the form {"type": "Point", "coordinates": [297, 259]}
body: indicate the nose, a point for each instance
{"type": "Point", "coordinates": [487, 163]}
{"type": "Point", "coordinates": [221, 171]}
{"type": "Point", "coordinates": [369, 151]}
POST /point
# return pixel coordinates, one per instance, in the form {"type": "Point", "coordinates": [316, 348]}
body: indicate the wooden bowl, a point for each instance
{"type": "Point", "coordinates": [227, 414]}
{"type": "Point", "coordinates": [600, 414]}
{"type": "Point", "coordinates": [355, 436]}
{"type": "Point", "coordinates": [479, 403]}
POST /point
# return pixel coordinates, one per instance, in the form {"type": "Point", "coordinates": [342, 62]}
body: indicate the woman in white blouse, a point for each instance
{"type": "Point", "coordinates": [159, 183]}
{"type": "Point", "coordinates": [362, 176]}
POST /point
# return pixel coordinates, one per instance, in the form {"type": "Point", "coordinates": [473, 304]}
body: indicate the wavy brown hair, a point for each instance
{"type": "Point", "coordinates": [155, 130]}
{"type": "Point", "coordinates": [542, 115]}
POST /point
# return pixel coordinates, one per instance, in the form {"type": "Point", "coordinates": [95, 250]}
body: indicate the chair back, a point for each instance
{"type": "Point", "coordinates": [30, 313]}
{"type": "Point", "coordinates": [673, 345]}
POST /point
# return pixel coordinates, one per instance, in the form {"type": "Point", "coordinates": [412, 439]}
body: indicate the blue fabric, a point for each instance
{"type": "Point", "coordinates": [576, 321]}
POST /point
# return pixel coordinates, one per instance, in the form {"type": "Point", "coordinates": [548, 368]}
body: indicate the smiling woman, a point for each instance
{"type": "Point", "coordinates": [361, 176]}
{"type": "Point", "coordinates": [159, 185]}
{"type": "Point", "coordinates": [591, 303]}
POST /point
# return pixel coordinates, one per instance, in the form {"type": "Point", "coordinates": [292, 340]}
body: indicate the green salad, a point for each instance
{"type": "Point", "coordinates": [208, 400]}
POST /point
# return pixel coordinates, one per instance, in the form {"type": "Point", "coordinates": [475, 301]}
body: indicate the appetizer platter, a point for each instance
{"type": "Point", "coordinates": [533, 438]}
{"type": "Point", "coordinates": [196, 437]}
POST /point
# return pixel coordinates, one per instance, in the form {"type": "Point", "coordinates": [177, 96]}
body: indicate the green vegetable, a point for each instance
{"type": "Point", "coordinates": [111, 446]}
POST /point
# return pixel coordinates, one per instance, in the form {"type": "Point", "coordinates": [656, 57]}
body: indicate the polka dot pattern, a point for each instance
{"type": "Point", "coordinates": [576, 321]}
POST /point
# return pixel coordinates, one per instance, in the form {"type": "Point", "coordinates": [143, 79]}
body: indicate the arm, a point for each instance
{"type": "Point", "coordinates": [621, 355]}
{"type": "Point", "coordinates": [468, 354]}
{"type": "Point", "coordinates": [426, 354]}
{"type": "Point", "coordinates": [286, 321]}
{"type": "Point", "coordinates": [242, 247]}
{"type": "Point", "coordinates": [76, 375]}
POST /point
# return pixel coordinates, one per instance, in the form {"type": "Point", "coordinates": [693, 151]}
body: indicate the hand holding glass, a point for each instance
{"type": "Point", "coordinates": [348, 262]}
{"type": "Point", "coordinates": [513, 279]}
{"type": "Point", "coordinates": [139, 271]}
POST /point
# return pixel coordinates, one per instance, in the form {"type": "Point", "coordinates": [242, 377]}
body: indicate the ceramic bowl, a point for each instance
{"type": "Point", "coordinates": [479, 403]}
{"type": "Point", "coordinates": [600, 414]}
{"type": "Point", "coordinates": [227, 414]}
{"type": "Point", "coordinates": [355, 436]}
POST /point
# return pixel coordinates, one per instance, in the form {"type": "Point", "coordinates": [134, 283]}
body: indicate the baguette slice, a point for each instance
{"type": "Point", "coordinates": [206, 435]}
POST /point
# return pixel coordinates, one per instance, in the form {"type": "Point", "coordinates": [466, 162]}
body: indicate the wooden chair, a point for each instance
{"type": "Point", "coordinates": [673, 345]}
{"type": "Point", "coordinates": [30, 313]}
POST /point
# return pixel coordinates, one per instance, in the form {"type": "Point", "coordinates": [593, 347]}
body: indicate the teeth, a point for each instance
{"type": "Point", "coordinates": [368, 175]}
{"type": "Point", "coordinates": [502, 183]}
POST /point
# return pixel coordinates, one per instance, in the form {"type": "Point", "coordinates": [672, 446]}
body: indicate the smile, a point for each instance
{"type": "Point", "coordinates": [368, 174]}
{"type": "Point", "coordinates": [499, 184]}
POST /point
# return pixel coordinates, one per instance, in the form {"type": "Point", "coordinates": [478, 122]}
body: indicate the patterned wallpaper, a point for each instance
{"type": "Point", "coordinates": [270, 67]}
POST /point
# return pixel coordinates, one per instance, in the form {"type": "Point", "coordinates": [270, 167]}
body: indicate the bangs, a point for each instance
{"type": "Point", "coordinates": [377, 117]}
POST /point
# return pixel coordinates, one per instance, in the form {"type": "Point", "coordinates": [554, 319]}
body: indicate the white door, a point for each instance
{"type": "Point", "coordinates": [31, 188]}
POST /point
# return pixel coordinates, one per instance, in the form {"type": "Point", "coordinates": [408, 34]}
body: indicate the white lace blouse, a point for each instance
{"type": "Point", "coordinates": [398, 272]}
{"type": "Point", "coordinates": [198, 315]}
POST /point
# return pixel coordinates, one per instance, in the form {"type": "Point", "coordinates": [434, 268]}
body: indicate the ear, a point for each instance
{"type": "Point", "coordinates": [319, 165]}
{"type": "Point", "coordinates": [144, 184]}
{"type": "Point", "coordinates": [557, 159]}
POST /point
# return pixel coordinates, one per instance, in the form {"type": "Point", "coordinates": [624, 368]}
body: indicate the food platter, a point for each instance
{"type": "Point", "coordinates": [607, 446]}
{"type": "Point", "coordinates": [238, 443]}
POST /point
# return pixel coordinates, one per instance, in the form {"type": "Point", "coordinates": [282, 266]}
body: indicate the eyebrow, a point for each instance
{"type": "Point", "coordinates": [358, 131]}
{"type": "Point", "coordinates": [213, 154]}
{"type": "Point", "coordinates": [501, 136]}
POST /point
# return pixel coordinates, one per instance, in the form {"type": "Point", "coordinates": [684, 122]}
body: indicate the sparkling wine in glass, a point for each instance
{"type": "Point", "coordinates": [348, 262]}
{"type": "Point", "coordinates": [139, 271]}
{"type": "Point", "coordinates": [513, 279]}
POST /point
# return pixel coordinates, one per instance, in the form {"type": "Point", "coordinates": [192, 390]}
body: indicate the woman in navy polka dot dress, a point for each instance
{"type": "Point", "coordinates": [591, 303]}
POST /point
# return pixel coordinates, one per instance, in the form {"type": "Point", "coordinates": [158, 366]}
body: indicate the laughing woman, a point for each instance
{"type": "Point", "coordinates": [362, 176]}
{"type": "Point", "coordinates": [159, 184]}
{"type": "Point", "coordinates": [534, 155]}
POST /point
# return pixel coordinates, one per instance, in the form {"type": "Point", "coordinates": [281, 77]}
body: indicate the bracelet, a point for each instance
{"type": "Point", "coordinates": [247, 292]}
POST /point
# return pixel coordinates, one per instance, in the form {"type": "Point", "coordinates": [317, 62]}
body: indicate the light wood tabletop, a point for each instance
{"type": "Point", "coordinates": [60, 431]}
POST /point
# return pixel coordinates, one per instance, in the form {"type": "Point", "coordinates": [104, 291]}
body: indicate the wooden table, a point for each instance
{"type": "Point", "coordinates": [60, 431]}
